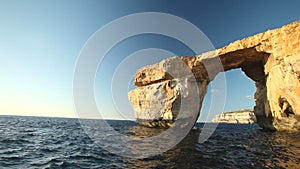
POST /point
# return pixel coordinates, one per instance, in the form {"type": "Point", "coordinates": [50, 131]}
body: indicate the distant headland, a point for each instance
{"type": "Point", "coordinates": [236, 117]}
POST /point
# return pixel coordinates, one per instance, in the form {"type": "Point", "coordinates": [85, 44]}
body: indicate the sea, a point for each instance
{"type": "Point", "coordinates": [43, 142]}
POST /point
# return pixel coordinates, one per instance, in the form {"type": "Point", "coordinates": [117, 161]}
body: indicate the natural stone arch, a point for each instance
{"type": "Point", "coordinates": [271, 59]}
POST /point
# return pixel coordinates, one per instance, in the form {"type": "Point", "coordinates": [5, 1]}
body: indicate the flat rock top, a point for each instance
{"type": "Point", "coordinates": [245, 54]}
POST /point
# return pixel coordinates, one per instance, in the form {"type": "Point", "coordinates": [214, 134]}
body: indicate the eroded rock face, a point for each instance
{"type": "Point", "coordinates": [271, 59]}
{"type": "Point", "coordinates": [159, 104]}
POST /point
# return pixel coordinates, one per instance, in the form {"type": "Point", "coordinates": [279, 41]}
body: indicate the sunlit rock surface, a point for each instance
{"type": "Point", "coordinates": [271, 59]}
{"type": "Point", "coordinates": [236, 117]}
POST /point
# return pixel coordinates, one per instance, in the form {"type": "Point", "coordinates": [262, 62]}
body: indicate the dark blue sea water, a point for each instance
{"type": "Point", "coordinates": [36, 142]}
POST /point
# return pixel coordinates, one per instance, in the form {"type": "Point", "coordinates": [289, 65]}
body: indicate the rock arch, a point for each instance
{"type": "Point", "coordinates": [271, 59]}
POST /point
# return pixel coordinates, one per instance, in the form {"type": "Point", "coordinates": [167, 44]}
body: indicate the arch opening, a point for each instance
{"type": "Point", "coordinates": [240, 91]}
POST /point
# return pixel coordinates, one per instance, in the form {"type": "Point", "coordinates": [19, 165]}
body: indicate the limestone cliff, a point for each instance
{"type": "Point", "coordinates": [236, 117]}
{"type": "Point", "coordinates": [271, 59]}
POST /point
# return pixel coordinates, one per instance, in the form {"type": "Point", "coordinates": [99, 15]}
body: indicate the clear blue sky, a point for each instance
{"type": "Point", "coordinates": [40, 41]}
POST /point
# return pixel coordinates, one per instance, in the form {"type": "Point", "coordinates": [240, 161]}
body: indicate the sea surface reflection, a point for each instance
{"type": "Point", "coordinates": [32, 142]}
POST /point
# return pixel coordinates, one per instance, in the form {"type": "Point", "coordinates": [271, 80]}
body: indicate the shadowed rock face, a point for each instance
{"type": "Point", "coordinates": [271, 59]}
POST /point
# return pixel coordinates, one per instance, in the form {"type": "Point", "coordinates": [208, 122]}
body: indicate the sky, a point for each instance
{"type": "Point", "coordinates": [41, 40]}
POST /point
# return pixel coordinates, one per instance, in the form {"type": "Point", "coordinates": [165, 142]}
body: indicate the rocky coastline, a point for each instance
{"type": "Point", "coordinates": [236, 117]}
{"type": "Point", "coordinates": [166, 91]}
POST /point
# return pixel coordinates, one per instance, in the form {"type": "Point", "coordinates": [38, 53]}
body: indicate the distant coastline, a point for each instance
{"type": "Point", "coordinates": [244, 116]}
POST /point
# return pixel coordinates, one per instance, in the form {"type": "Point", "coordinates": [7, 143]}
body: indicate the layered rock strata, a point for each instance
{"type": "Point", "coordinates": [271, 59]}
{"type": "Point", "coordinates": [236, 117]}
